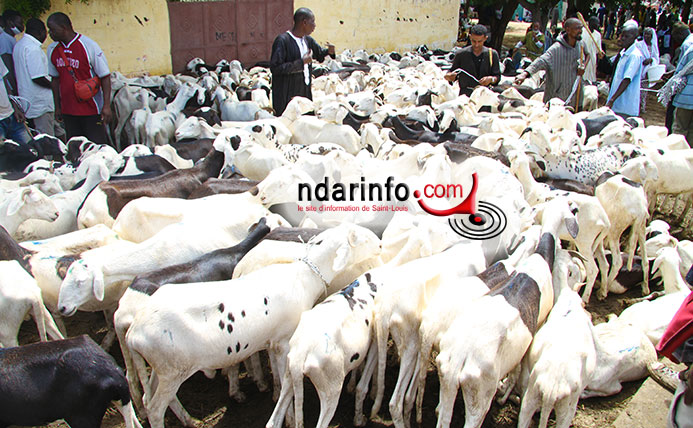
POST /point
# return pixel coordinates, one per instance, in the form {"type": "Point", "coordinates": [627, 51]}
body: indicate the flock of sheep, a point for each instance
{"type": "Point", "coordinates": [205, 196]}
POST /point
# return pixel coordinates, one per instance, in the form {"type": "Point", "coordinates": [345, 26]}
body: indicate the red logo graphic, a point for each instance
{"type": "Point", "coordinates": [473, 221]}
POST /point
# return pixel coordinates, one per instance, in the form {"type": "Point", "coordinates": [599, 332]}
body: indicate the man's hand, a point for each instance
{"type": "Point", "coordinates": [486, 80]}
{"type": "Point", "coordinates": [450, 77]}
{"type": "Point", "coordinates": [308, 58]}
{"type": "Point", "coordinates": [521, 78]}
{"type": "Point", "coordinates": [580, 70]}
{"type": "Point", "coordinates": [600, 55]}
{"type": "Point", "coordinates": [330, 49]}
{"type": "Point", "coordinates": [106, 114]}
{"type": "Point", "coordinates": [648, 61]}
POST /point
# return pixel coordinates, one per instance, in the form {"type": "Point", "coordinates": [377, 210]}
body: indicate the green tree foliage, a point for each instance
{"type": "Point", "coordinates": [28, 8]}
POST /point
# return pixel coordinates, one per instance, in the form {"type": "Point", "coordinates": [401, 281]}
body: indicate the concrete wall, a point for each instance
{"type": "Point", "coordinates": [134, 34]}
{"type": "Point", "coordinates": [385, 25]}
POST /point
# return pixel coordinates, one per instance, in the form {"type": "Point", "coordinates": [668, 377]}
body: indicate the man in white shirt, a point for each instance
{"type": "Point", "coordinates": [33, 83]}
{"type": "Point", "coordinates": [592, 48]}
{"type": "Point", "coordinates": [11, 117]}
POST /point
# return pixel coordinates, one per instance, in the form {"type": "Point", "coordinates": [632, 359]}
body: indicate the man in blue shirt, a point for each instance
{"type": "Point", "coordinates": [624, 96]}
{"type": "Point", "coordinates": [683, 101]}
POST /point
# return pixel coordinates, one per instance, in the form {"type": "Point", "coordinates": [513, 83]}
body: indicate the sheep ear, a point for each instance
{"type": "Point", "coordinates": [99, 286]}
{"type": "Point", "coordinates": [341, 258]}
{"type": "Point", "coordinates": [104, 173]}
{"type": "Point", "coordinates": [655, 265]}
{"type": "Point", "coordinates": [572, 225]}
{"type": "Point", "coordinates": [341, 114]}
{"type": "Point", "coordinates": [16, 203]}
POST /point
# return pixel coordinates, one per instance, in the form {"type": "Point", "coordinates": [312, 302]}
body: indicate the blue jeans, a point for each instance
{"type": "Point", "coordinates": [11, 129]}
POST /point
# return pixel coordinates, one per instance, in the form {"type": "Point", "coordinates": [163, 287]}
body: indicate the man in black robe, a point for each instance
{"type": "Point", "coordinates": [291, 61]}
{"type": "Point", "coordinates": [476, 64]}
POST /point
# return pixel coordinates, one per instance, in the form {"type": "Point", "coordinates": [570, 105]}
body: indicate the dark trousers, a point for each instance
{"type": "Point", "coordinates": [91, 127]}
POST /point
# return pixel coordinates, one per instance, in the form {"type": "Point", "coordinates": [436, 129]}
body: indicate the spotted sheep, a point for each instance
{"type": "Point", "coordinates": [588, 165]}
{"type": "Point", "coordinates": [215, 266]}
{"type": "Point", "coordinates": [184, 329]}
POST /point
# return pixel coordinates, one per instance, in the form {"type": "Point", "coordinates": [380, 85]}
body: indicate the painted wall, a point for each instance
{"type": "Point", "coordinates": [134, 34]}
{"type": "Point", "coordinates": [386, 25]}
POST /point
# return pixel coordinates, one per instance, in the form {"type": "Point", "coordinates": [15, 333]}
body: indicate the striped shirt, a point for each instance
{"type": "Point", "coordinates": [560, 62]}
{"type": "Point", "coordinates": [684, 99]}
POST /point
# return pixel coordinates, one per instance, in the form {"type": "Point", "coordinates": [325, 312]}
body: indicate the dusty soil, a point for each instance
{"type": "Point", "coordinates": [207, 400]}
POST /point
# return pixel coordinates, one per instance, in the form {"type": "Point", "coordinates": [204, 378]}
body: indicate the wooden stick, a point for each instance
{"type": "Point", "coordinates": [579, 15]}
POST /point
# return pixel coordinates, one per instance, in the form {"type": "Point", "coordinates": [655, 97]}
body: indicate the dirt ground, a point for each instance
{"type": "Point", "coordinates": [207, 400]}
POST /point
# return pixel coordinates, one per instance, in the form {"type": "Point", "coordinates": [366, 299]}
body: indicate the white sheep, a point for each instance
{"type": "Point", "coordinates": [558, 366]}
{"type": "Point", "coordinates": [20, 294]}
{"type": "Point", "coordinates": [23, 204]}
{"type": "Point", "coordinates": [248, 314]}
{"type": "Point", "coordinates": [67, 204]}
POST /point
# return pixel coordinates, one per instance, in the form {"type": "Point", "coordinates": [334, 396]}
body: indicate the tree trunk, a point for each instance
{"type": "Point", "coordinates": [498, 26]}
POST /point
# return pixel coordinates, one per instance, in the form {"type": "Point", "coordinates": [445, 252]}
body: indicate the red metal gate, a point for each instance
{"type": "Point", "coordinates": [231, 29]}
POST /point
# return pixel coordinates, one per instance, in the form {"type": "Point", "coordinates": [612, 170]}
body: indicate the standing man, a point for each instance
{"type": "Point", "coordinates": [624, 96]}
{"type": "Point", "coordinates": [86, 59]}
{"type": "Point", "coordinates": [33, 81]}
{"type": "Point", "coordinates": [291, 61]}
{"type": "Point", "coordinates": [561, 62]}
{"type": "Point", "coordinates": [593, 44]}
{"type": "Point", "coordinates": [683, 101]}
{"type": "Point", "coordinates": [11, 116]}
{"type": "Point", "coordinates": [477, 64]}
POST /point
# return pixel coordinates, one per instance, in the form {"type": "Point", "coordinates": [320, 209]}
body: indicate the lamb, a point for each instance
{"type": "Point", "coordinates": [23, 204]}
{"type": "Point", "coordinates": [185, 154]}
{"type": "Point", "coordinates": [557, 366]}
{"type": "Point", "coordinates": [70, 379]}
{"type": "Point", "coordinates": [20, 294]}
{"type": "Point", "coordinates": [264, 314]}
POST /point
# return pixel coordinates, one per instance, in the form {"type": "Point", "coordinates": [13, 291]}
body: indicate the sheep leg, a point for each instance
{"type": "Point", "coordinates": [565, 410]}
{"type": "Point", "coordinates": [328, 383]}
{"type": "Point", "coordinates": [686, 207]}
{"type": "Point", "coordinates": [280, 409]}
{"type": "Point", "coordinates": [39, 317]}
{"type": "Point", "coordinates": [164, 395]}
{"type": "Point", "coordinates": [111, 334]}
{"type": "Point", "coordinates": [645, 263]}
{"type": "Point", "coordinates": [130, 371]}
{"type": "Point", "coordinates": [603, 265]}
{"type": "Point", "coordinates": [446, 403]}
{"type": "Point", "coordinates": [254, 368]}
{"type": "Point", "coordinates": [381, 328]}
{"type": "Point", "coordinates": [478, 395]}
{"type": "Point", "coordinates": [509, 385]}
{"type": "Point", "coordinates": [362, 386]}
{"type": "Point", "coordinates": [234, 386]}
{"type": "Point", "coordinates": [52, 329]}
{"type": "Point", "coordinates": [59, 322]}
{"type": "Point", "coordinates": [276, 380]}
{"type": "Point", "coordinates": [616, 262]}
{"type": "Point", "coordinates": [530, 404]}
{"type": "Point", "coordinates": [406, 370]}
{"type": "Point", "coordinates": [129, 415]}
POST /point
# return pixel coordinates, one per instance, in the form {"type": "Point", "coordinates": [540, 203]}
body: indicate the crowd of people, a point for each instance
{"type": "Point", "coordinates": [45, 91]}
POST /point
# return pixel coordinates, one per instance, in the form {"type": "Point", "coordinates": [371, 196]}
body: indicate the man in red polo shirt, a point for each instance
{"type": "Point", "coordinates": [86, 60]}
